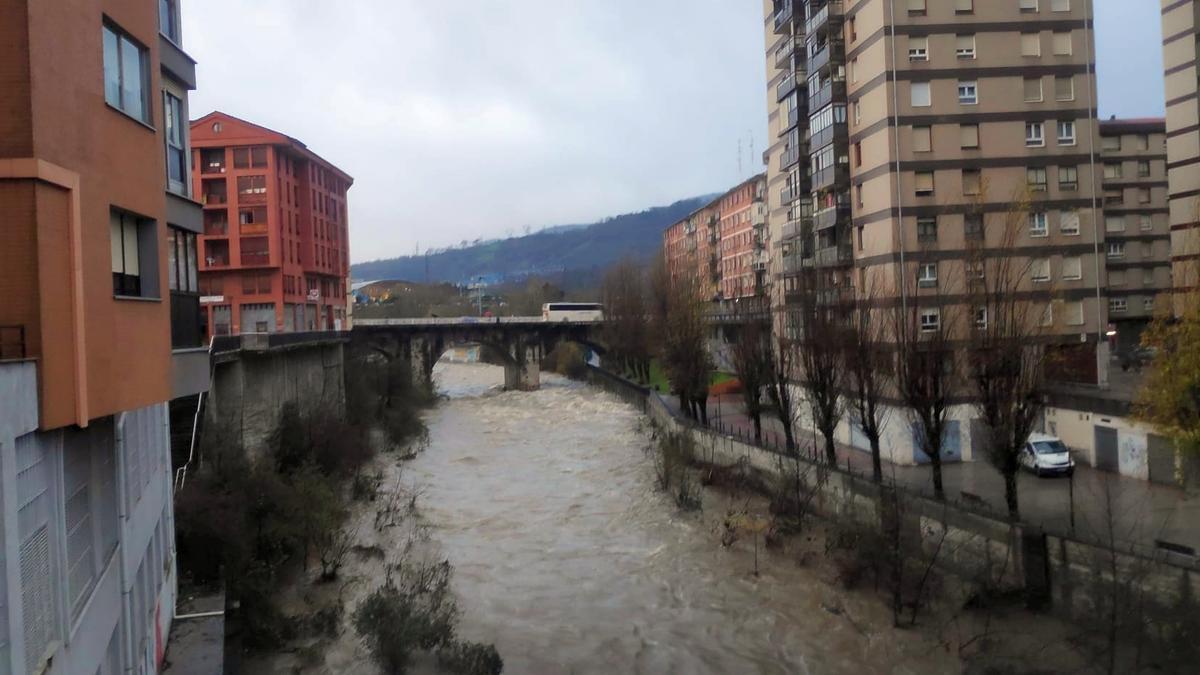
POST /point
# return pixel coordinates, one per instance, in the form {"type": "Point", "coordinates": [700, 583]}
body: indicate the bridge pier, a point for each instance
{"type": "Point", "coordinates": [524, 372]}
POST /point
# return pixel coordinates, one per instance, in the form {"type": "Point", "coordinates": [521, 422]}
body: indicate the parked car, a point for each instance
{"type": "Point", "coordinates": [1047, 455]}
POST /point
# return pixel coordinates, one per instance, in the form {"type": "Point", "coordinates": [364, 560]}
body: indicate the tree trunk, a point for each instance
{"type": "Point", "coordinates": [1010, 494]}
{"type": "Point", "coordinates": [830, 449]}
{"type": "Point", "coordinates": [788, 436]}
{"type": "Point", "coordinates": [938, 491]}
{"type": "Point", "coordinates": [876, 461]}
{"type": "Point", "coordinates": [702, 403]}
{"type": "Point", "coordinates": [757, 418]}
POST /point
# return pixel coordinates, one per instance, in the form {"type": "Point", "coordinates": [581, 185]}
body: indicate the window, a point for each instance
{"type": "Point", "coordinates": [968, 93]}
{"type": "Point", "coordinates": [1145, 223]}
{"type": "Point", "coordinates": [1072, 268]}
{"type": "Point", "coordinates": [854, 70]}
{"type": "Point", "coordinates": [1036, 179]}
{"type": "Point", "coordinates": [964, 46]}
{"type": "Point", "coordinates": [1118, 305]}
{"type": "Point", "coordinates": [1112, 171]}
{"type": "Point", "coordinates": [1147, 277]}
{"type": "Point", "coordinates": [249, 186]}
{"type": "Point", "coordinates": [918, 48]}
{"type": "Point", "coordinates": [1143, 195]}
{"type": "Point", "coordinates": [927, 275]}
{"type": "Point", "coordinates": [1143, 168]}
{"type": "Point", "coordinates": [973, 226]}
{"type": "Point", "coordinates": [134, 255]}
{"type": "Point", "coordinates": [1062, 43]}
{"type": "Point", "coordinates": [927, 229]}
{"type": "Point", "coordinates": [981, 317]}
{"type": "Point", "coordinates": [857, 113]}
{"type": "Point", "coordinates": [1068, 222]}
{"type": "Point", "coordinates": [975, 270]}
{"type": "Point", "coordinates": [250, 158]}
{"type": "Point", "coordinates": [919, 92]}
{"type": "Point", "coordinates": [857, 155]}
{"type": "Point", "coordinates": [1060, 5]}
{"type": "Point", "coordinates": [1029, 5]}
{"type": "Point", "coordinates": [1116, 249]}
{"type": "Point", "coordinates": [968, 135]}
{"type": "Point", "coordinates": [1143, 142]}
{"type": "Point", "coordinates": [1039, 269]}
{"type": "Point", "coordinates": [1148, 304]}
{"type": "Point", "coordinates": [964, 6]}
{"type": "Point", "coordinates": [168, 19]}
{"type": "Point", "coordinates": [1110, 143]}
{"type": "Point", "coordinates": [916, 6]}
{"type": "Point", "coordinates": [177, 156]}
{"type": "Point", "coordinates": [1031, 44]}
{"type": "Point", "coordinates": [126, 74]}
{"type": "Point", "coordinates": [1068, 178]}
{"type": "Point", "coordinates": [181, 260]}
{"type": "Point", "coordinates": [1037, 225]}
{"type": "Point", "coordinates": [931, 320]}
{"type": "Point", "coordinates": [924, 183]}
{"type": "Point", "coordinates": [1035, 134]}
{"type": "Point", "coordinates": [1114, 197]}
{"type": "Point", "coordinates": [1033, 89]}
{"type": "Point", "coordinates": [972, 181]}
{"type": "Point", "coordinates": [1066, 133]}
{"type": "Point", "coordinates": [1064, 88]}
{"type": "Point", "coordinates": [922, 139]}
{"type": "Point", "coordinates": [1073, 312]}
{"type": "Point", "coordinates": [1114, 223]}
{"type": "Point", "coordinates": [1048, 315]}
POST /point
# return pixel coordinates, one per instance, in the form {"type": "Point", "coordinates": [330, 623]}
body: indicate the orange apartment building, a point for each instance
{"type": "Point", "coordinates": [275, 252]}
{"type": "Point", "coordinates": [99, 329]}
{"type": "Point", "coordinates": [723, 244]}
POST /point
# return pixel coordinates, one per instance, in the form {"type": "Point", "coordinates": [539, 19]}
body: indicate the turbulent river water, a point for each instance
{"type": "Point", "coordinates": [569, 560]}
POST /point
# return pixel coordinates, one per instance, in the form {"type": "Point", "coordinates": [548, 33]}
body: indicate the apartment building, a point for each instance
{"type": "Point", "coordinates": [1136, 225]}
{"type": "Point", "coordinates": [724, 245]}
{"type": "Point", "coordinates": [99, 329]}
{"type": "Point", "coordinates": [275, 252]}
{"type": "Point", "coordinates": [903, 134]}
{"type": "Point", "coordinates": [1181, 35]}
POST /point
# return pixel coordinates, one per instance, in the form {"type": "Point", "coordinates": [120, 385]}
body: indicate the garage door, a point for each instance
{"type": "Point", "coordinates": [1162, 460]}
{"type": "Point", "coordinates": [1107, 456]}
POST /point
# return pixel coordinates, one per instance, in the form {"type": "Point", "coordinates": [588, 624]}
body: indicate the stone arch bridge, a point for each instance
{"type": "Point", "coordinates": [521, 342]}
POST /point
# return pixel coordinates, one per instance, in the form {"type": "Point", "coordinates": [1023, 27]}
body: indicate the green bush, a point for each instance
{"type": "Point", "coordinates": [413, 611]}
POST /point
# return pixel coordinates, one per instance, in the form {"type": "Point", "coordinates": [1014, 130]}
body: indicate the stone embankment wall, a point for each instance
{"type": "Point", "coordinates": [1072, 576]}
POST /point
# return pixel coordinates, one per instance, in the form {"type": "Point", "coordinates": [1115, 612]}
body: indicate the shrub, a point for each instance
{"type": "Point", "coordinates": [471, 658]}
{"type": "Point", "coordinates": [567, 359]}
{"type": "Point", "coordinates": [413, 611]}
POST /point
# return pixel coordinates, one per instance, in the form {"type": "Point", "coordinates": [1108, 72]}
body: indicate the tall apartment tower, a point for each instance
{"type": "Point", "coordinates": [903, 132]}
{"type": "Point", "coordinates": [275, 255]}
{"type": "Point", "coordinates": [1136, 225]}
{"type": "Point", "coordinates": [1181, 38]}
{"type": "Point", "coordinates": [98, 329]}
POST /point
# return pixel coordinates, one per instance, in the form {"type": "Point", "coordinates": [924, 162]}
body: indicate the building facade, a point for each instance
{"type": "Point", "coordinates": [99, 329]}
{"type": "Point", "coordinates": [275, 253]}
{"type": "Point", "coordinates": [904, 132]}
{"type": "Point", "coordinates": [1181, 33]}
{"type": "Point", "coordinates": [1137, 230]}
{"type": "Point", "coordinates": [723, 245]}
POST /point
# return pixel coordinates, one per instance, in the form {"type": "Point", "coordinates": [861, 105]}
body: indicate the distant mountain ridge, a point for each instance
{"type": "Point", "coordinates": [573, 252]}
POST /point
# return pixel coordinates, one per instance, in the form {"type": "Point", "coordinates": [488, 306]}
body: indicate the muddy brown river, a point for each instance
{"type": "Point", "coordinates": [569, 560]}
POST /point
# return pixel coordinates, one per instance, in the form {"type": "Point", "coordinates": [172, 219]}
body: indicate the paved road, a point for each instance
{"type": "Point", "coordinates": [1143, 512]}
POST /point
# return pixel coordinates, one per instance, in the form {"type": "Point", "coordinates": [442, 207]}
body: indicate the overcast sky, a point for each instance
{"type": "Point", "coordinates": [474, 119]}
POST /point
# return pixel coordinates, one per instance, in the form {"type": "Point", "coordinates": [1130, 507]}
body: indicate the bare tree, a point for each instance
{"type": "Point", "coordinates": [683, 329]}
{"type": "Point", "coordinates": [926, 365]}
{"type": "Point", "coordinates": [869, 372]}
{"type": "Point", "coordinates": [781, 367]}
{"type": "Point", "coordinates": [821, 354]}
{"type": "Point", "coordinates": [1006, 356]}
{"type": "Point", "coordinates": [752, 361]}
{"type": "Point", "coordinates": [626, 330]}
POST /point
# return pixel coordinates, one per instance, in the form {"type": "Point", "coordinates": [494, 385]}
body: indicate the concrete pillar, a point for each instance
{"type": "Point", "coordinates": [523, 372]}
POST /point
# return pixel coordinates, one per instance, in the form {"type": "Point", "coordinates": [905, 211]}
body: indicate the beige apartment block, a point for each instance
{"type": "Point", "coordinates": [1180, 20]}
{"type": "Point", "coordinates": [903, 133]}
{"type": "Point", "coordinates": [1137, 230]}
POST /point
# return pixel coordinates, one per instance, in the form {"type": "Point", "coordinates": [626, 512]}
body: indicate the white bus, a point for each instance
{"type": "Point", "coordinates": [572, 311]}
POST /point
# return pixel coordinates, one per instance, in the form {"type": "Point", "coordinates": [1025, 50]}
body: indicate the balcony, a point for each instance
{"type": "Point", "coordinates": [212, 162]}
{"type": "Point", "coordinates": [214, 193]}
{"type": "Point", "coordinates": [834, 255]}
{"type": "Point", "coordinates": [838, 174]}
{"type": "Point", "coordinates": [834, 51]}
{"type": "Point", "coordinates": [833, 90]}
{"type": "Point", "coordinates": [783, 55]}
{"type": "Point", "coordinates": [790, 158]}
{"type": "Point", "coordinates": [786, 87]}
{"type": "Point", "coordinates": [216, 254]}
{"type": "Point", "coordinates": [793, 264]}
{"type": "Point", "coordinates": [834, 132]}
{"type": "Point", "coordinates": [823, 220]}
{"type": "Point", "coordinates": [216, 223]}
{"type": "Point", "coordinates": [783, 18]}
{"type": "Point", "coordinates": [256, 258]}
{"type": "Point", "coordinates": [832, 10]}
{"type": "Point", "coordinates": [797, 229]}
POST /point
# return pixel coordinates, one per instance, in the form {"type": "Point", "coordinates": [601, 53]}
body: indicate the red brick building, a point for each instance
{"type": "Point", "coordinates": [275, 253]}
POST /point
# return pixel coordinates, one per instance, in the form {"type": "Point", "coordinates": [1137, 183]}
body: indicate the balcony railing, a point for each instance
{"type": "Point", "coordinates": [834, 255]}
{"type": "Point", "coordinates": [830, 134]}
{"type": "Point", "coordinates": [786, 87]}
{"type": "Point", "coordinates": [796, 229]}
{"type": "Point", "coordinates": [247, 198]}
{"type": "Point", "coordinates": [789, 158]}
{"type": "Point", "coordinates": [256, 258]}
{"type": "Point", "coordinates": [214, 261]}
{"type": "Point", "coordinates": [830, 217]}
{"type": "Point", "coordinates": [783, 16]}
{"type": "Point", "coordinates": [834, 90]}
{"type": "Point", "coordinates": [834, 51]}
{"type": "Point", "coordinates": [216, 229]}
{"type": "Point", "coordinates": [831, 176]}
{"type": "Point", "coordinates": [833, 8]}
{"type": "Point", "coordinates": [215, 199]}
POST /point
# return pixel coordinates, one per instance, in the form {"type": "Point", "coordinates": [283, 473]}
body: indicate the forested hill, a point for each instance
{"type": "Point", "coordinates": [560, 251]}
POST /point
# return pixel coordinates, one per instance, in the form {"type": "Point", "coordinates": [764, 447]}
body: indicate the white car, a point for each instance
{"type": "Point", "coordinates": [1047, 455]}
